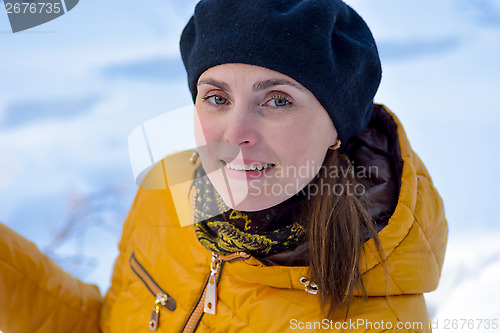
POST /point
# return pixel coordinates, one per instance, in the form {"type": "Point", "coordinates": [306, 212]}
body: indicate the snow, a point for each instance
{"type": "Point", "coordinates": [468, 290]}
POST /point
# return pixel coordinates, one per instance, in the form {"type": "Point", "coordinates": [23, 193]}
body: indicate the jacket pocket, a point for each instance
{"type": "Point", "coordinates": [162, 298]}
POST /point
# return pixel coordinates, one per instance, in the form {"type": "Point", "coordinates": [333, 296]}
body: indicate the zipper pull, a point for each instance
{"type": "Point", "coordinates": [155, 316]}
{"type": "Point", "coordinates": [211, 293]}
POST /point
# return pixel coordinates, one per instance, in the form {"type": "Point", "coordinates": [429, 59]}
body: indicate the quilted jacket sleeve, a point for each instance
{"type": "Point", "coordinates": [121, 263]}
{"type": "Point", "coordinates": [36, 295]}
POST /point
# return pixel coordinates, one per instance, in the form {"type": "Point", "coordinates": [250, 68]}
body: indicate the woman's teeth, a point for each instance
{"type": "Point", "coordinates": [249, 167]}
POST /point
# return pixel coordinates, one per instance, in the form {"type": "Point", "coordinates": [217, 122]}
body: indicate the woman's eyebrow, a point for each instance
{"type": "Point", "coordinates": [262, 85]}
{"type": "Point", "coordinates": [275, 82]}
{"type": "Point", "coordinates": [215, 83]}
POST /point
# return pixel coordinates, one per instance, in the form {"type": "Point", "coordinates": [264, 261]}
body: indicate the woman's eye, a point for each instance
{"type": "Point", "coordinates": [278, 101]}
{"type": "Point", "coordinates": [216, 99]}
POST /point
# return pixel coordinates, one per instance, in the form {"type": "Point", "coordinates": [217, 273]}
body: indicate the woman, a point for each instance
{"type": "Point", "coordinates": [307, 209]}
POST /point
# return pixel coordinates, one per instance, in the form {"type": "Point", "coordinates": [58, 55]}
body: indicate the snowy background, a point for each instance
{"type": "Point", "coordinates": [73, 89]}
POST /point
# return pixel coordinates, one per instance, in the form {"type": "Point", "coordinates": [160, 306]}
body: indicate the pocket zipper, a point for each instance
{"type": "Point", "coordinates": [161, 297]}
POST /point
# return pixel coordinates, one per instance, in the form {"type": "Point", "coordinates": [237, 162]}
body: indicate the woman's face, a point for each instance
{"type": "Point", "coordinates": [261, 135]}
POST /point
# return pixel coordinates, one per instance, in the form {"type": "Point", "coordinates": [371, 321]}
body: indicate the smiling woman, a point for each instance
{"type": "Point", "coordinates": [307, 207]}
{"type": "Point", "coordinates": [273, 122]}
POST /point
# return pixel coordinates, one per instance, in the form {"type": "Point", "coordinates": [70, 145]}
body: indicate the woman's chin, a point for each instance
{"type": "Point", "coordinates": [253, 204]}
{"type": "Point", "coordinates": [254, 195]}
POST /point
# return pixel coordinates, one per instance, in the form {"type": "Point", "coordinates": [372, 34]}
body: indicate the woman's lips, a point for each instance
{"type": "Point", "coordinates": [246, 169]}
{"type": "Point", "coordinates": [244, 161]}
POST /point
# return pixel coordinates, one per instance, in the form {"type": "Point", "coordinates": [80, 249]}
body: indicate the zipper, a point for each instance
{"type": "Point", "coordinates": [207, 302]}
{"type": "Point", "coordinates": [155, 316]}
{"type": "Point", "coordinates": [161, 297]}
{"type": "Point", "coordinates": [211, 293]}
{"type": "Point", "coordinates": [234, 256]}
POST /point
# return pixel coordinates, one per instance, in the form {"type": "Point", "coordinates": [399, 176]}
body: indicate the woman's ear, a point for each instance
{"type": "Point", "coordinates": [335, 136]}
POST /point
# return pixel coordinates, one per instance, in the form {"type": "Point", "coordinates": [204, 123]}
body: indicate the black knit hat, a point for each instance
{"type": "Point", "coordinates": [322, 44]}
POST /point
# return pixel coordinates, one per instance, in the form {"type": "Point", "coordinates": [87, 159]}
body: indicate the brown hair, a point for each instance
{"type": "Point", "coordinates": [337, 224]}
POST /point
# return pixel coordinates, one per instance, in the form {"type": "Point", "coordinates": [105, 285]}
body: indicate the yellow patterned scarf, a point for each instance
{"type": "Point", "coordinates": [259, 233]}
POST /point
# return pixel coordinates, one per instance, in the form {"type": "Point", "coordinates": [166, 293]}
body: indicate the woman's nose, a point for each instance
{"type": "Point", "coordinates": [242, 126]}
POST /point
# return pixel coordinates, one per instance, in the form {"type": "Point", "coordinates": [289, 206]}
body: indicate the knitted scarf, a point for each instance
{"type": "Point", "coordinates": [258, 233]}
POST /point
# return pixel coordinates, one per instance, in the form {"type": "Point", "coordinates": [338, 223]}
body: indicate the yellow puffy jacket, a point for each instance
{"type": "Point", "coordinates": [165, 280]}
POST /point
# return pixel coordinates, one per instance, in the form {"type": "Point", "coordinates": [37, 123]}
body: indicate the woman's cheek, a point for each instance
{"type": "Point", "coordinates": [211, 130]}
{"type": "Point", "coordinates": [201, 129]}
